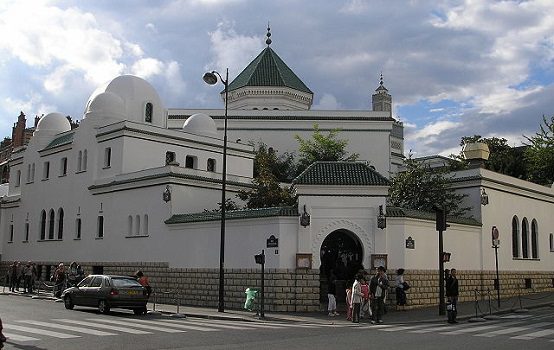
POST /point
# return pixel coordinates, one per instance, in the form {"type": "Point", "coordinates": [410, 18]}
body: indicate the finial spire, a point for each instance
{"type": "Point", "coordinates": [381, 80]}
{"type": "Point", "coordinates": [268, 40]}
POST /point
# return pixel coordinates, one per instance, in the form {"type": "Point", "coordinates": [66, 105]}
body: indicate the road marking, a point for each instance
{"type": "Point", "coordinates": [174, 325]}
{"type": "Point", "coordinates": [136, 325]}
{"type": "Point", "coordinates": [103, 326]}
{"type": "Point", "coordinates": [471, 329]}
{"type": "Point", "coordinates": [534, 335]}
{"type": "Point", "coordinates": [502, 331]}
{"type": "Point", "coordinates": [249, 325]}
{"type": "Point", "coordinates": [18, 337]}
{"type": "Point", "coordinates": [41, 331]}
{"type": "Point", "coordinates": [402, 328]}
{"type": "Point", "coordinates": [67, 328]}
{"type": "Point", "coordinates": [431, 329]}
{"type": "Point", "coordinates": [211, 324]}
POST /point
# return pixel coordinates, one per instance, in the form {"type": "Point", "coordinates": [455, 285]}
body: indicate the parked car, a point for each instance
{"type": "Point", "coordinates": [2, 338]}
{"type": "Point", "coordinates": [106, 292]}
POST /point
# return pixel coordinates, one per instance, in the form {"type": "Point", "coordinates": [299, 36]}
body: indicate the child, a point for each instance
{"type": "Point", "coordinates": [366, 310]}
{"type": "Point", "coordinates": [349, 301]}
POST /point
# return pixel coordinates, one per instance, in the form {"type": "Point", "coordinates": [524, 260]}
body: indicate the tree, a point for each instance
{"type": "Point", "coordinates": [502, 159]}
{"type": "Point", "coordinates": [267, 191]}
{"type": "Point", "coordinates": [322, 148]}
{"type": "Point", "coordinates": [421, 188]}
{"type": "Point", "coordinates": [540, 153]}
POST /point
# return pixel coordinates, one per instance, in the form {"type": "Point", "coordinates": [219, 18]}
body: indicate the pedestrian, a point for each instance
{"type": "Point", "coordinates": [349, 300]}
{"type": "Point", "coordinates": [401, 287]}
{"type": "Point", "coordinates": [366, 308]}
{"type": "Point", "coordinates": [13, 276]}
{"type": "Point", "coordinates": [331, 294]}
{"type": "Point", "coordinates": [59, 280]}
{"type": "Point", "coordinates": [27, 278]}
{"type": "Point", "coordinates": [34, 276]}
{"type": "Point", "coordinates": [72, 274]}
{"type": "Point", "coordinates": [378, 288]}
{"type": "Point", "coordinates": [357, 298]}
{"type": "Point", "coordinates": [143, 280]}
{"type": "Point", "coordinates": [80, 273]}
{"type": "Point", "coordinates": [452, 295]}
{"type": "Point", "coordinates": [19, 277]}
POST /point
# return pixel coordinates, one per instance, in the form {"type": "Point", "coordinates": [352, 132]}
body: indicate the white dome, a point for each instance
{"type": "Point", "coordinates": [135, 93]}
{"type": "Point", "coordinates": [200, 124]}
{"type": "Point", "coordinates": [108, 104]}
{"type": "Point", "coordinates": [55, 122]}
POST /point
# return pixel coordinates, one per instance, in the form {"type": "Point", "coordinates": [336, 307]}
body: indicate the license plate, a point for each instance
{"type": "Point", "coordinates": [133, 292]}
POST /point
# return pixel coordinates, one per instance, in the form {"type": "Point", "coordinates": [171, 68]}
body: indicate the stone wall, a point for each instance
{"type": "Point", "coordinates": [290, 290]}
{"type": "Point", "coordinates": [286, 290]}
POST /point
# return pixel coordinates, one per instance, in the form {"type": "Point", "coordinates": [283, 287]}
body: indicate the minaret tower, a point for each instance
{"type": "Point", "coordinates": [381, 100]}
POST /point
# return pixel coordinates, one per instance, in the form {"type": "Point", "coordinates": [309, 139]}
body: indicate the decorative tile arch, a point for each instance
{"type": "Point", "coordinates": [344, 224]}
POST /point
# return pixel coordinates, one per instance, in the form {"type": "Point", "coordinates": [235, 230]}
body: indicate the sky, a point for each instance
{"type": "Point", "coordinates": [453, 68]}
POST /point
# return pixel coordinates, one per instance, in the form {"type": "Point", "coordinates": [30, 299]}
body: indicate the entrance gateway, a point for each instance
{"type": "Point", "coordinates": [342, 252]}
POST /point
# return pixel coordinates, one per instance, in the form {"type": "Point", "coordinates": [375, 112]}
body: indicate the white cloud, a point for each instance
{"type": "Point", "coordinates": [327, 102]}
{"type": "Point", "coordinates": [147, 67]}
{"type": "Point", "coordinates": [434, 129]}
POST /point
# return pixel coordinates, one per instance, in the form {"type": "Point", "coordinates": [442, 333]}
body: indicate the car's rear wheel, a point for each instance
{"type": "Point", "coordinates": [103, 307]}
{"type": "Point", "coordinates": [140, 311]}
{"type": "Point", "coordinates": [68, 303]}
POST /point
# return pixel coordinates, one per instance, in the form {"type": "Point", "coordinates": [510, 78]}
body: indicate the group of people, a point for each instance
{"type": "Point", "coordinates": [64, 278]}
{"type": "Point", "coordinates": [22, 274]}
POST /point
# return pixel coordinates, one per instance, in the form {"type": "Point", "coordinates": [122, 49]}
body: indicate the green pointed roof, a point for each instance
{"type": "Point", "coordinates": [268, 69]}
{"type": "Point", "coordinates": [341, 173]}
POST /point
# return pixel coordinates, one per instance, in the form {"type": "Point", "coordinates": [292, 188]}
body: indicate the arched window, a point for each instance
{"type": "Point", "coordinates": [552, 242]}
{"type": "Point", "coordinates": [130, 225]}
{"type": "Point", "coordinates": [28, 173]}
{"type": "Point", "coordinates": [515, 237]}
{"type": "Point", "coordinates": [60, 223]}
{"type": "Point", "coordinates": [148, 111]}
{"type": "Point", "coordinates": [51, 220]}
{"type": "Point", "coordinates": [43, 225]}
{"type": "Point", "coordinates": [78, 228]}
{"type": "Point", "coordinates": [18, 179]}
{"type": "Point", "coordinates": [84, 160]}
{"type": "Point", "coordinates": [534, 240]}
{"type": "Point", "coordinates": [33, 172]}
{"type": "Point", "coordinates": [80, 161]}
{"type": "Point", "coordinates": [190, 162]}
{"type": "Point", "coordinates": [211, 164]}
{"type": "Point", "coordinates": [137, 225]}
{"type": "Point", "coordinates": [145, 225]}
{"type": "Point", "coordinates": [525, 238]}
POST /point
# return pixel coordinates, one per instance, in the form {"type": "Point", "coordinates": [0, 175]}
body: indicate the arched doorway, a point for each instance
{"type": "Point", "coordinates": [342, 252]}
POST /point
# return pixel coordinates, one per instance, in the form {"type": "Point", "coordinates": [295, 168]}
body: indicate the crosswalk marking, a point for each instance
{"type": "Point", "coordinates": [103, 326]}
{"type": "Point", "coordinates": [217, 325]}
{"type": "Point", "coordinates": [174, 325]}
{"type": "Point", "coordinates": [431, 329]}
{"type": "Point", "coordinates": [59, 326]}
{"type": "Point", "coordinates": [534, 335]}
{"type": "Point", "coordinates": [402, 328]}
{"type": "Point", "coordinates": [136, 325]}
{"type": "Point", "coordinates": [18, 337]}
{"type": "Point", "coordinates": [40, 331]}
{"type": "Point", "coordinates": [513, 329]}
{"type": "Point", "coordinates": [471, 329]}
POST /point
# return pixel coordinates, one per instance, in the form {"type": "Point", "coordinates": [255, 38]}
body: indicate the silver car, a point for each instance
{"type": "Point", "coordinates": [107, 291]}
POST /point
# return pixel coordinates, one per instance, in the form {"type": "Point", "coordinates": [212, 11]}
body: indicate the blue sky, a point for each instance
{"type": "Point", "coordinates": [454, 68]}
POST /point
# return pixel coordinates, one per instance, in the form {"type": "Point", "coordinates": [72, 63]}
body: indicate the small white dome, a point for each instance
{"type": "Point", "coordinates": [107, 104]}
{"type": "Point", "coordinates": [56, 122]}
{"type": "Point", "coordinates": [201, 124]}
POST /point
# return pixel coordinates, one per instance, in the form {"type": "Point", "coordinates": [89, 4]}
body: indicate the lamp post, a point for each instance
{"type": "Point", "coordinates": [211, 79]}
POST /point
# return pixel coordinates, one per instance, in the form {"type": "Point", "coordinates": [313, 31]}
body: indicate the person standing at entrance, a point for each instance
{"type": "Point", "coordinates": [378, 287]}
{"type": "Point", "coordinates": [357, 298]}
{"type": "Point", "coordinates": [452, 295]}
{"type": "Point", "coordinates": [332, 293]}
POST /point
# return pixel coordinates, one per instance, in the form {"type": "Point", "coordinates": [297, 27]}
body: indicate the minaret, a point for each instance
{"type": "Point", "coordinates": [18, 131]}
{"type": "Point", "coordinates": [381, 100]}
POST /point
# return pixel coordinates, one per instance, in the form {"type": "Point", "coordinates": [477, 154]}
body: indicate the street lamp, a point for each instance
{"type": "Point", "coordinates": [211, 78]}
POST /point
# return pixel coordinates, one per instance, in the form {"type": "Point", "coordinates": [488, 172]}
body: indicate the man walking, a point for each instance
{"type": "Point", "coordinates": [378, 287]}
{"type": "Point", "coordinates": [452, 295]}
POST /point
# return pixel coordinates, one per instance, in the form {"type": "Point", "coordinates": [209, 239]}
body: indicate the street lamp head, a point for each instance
{"type": "Point", "coordinates": [210, 78]}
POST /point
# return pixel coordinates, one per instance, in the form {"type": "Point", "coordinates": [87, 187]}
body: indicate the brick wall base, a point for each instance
{"type": "Point", "coordinates": [298, 290]}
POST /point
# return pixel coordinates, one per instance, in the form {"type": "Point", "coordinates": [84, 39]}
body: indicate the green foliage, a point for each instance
{"type": "Point", "coordinates": [540, 153]}
{"type": "Point", "coordinates": [322, 148]}
{"type": "Point", "coordinates": [267, 191]}
{"type": "Point", "coordinates": [502, 159]}
{"type": "Point", "coordinates": [423, 188]}
{"type": "Point", "coordinates": [229, 205]}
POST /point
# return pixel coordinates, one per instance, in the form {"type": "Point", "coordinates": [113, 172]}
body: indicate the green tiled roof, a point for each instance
{"type": "Point", "coordinates": [397, 212]}
{"type": "Point", "coordinates": [233, 215]}
{"type": "Point", "coordinates": [61, 140]}
{"type": "Point", "coordinates": [268, 69]}
{"type": "Point", "coordinates": [341, 173]}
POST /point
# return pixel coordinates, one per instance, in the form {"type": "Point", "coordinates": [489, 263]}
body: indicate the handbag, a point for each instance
{"type": "Point", "coordinates": [405, 286]}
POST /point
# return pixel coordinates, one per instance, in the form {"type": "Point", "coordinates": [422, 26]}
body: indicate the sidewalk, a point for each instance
{"type": "Point", "coordinates": [466, 310]}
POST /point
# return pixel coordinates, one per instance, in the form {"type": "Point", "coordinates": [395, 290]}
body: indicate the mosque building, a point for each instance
{"type": "Point", "coordinates": [138, 185]}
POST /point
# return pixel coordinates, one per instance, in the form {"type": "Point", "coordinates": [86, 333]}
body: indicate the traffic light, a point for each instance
{"type": "Point", "coordinates": [440, 219]}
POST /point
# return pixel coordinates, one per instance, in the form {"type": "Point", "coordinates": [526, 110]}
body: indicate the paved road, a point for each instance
{"type": "Point", "coordinates": [40, 324]}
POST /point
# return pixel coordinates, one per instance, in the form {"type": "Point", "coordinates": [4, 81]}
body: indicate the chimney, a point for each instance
{"type": "Point", "coordinates": [476, 153]}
